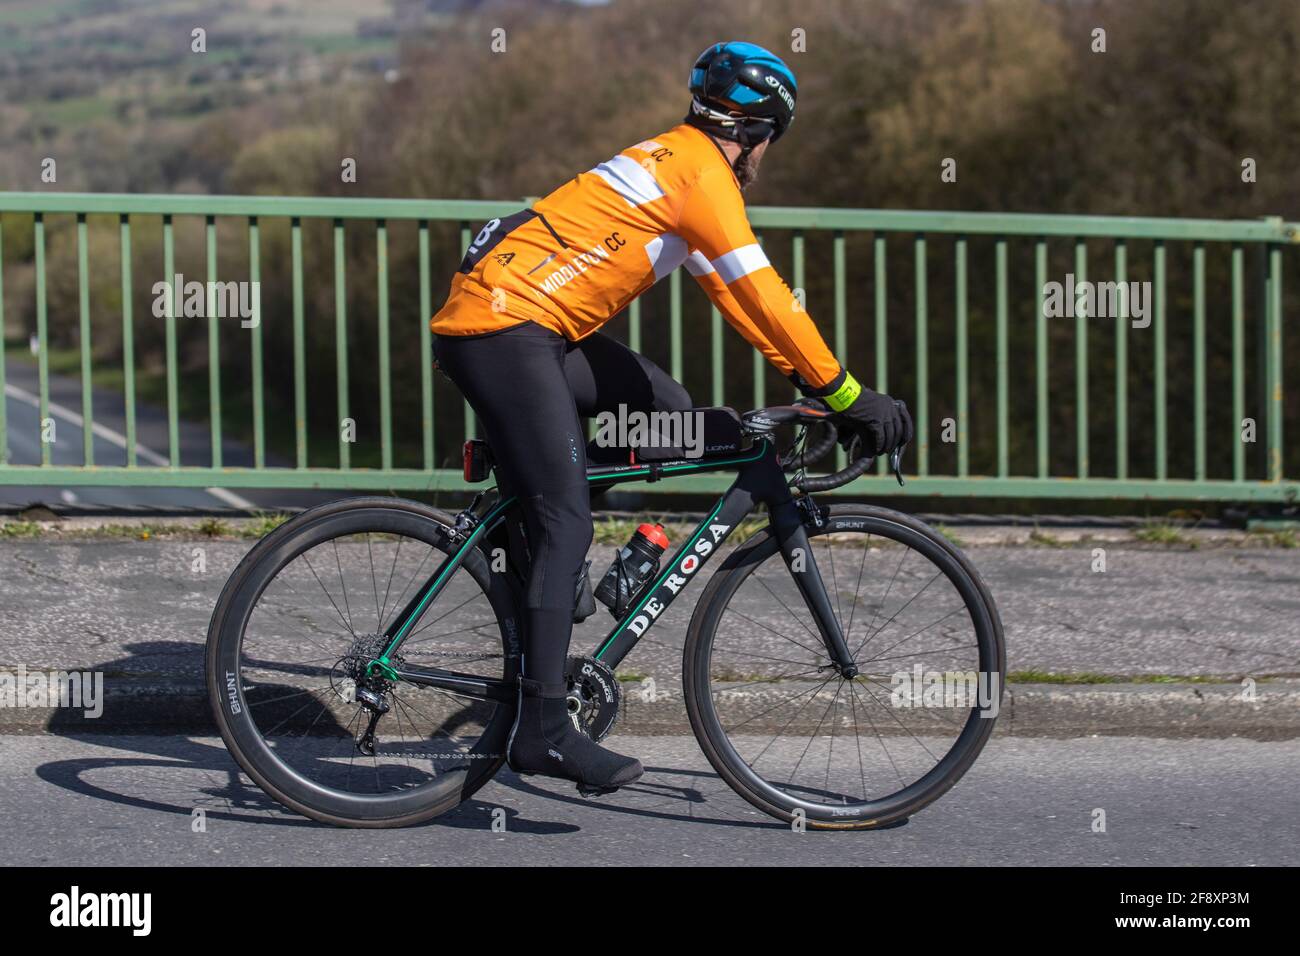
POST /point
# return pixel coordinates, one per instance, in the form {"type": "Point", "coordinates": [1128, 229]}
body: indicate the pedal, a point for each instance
{"type": "Point", "coordinates": [589, 791]}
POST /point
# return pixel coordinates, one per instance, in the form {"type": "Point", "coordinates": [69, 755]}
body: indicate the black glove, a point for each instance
{"type": "Point", "coordinates": [883, 423]}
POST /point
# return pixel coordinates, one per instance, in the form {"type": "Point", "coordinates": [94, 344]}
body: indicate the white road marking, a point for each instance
{"type": "Point", "coordinates": [118, 439]}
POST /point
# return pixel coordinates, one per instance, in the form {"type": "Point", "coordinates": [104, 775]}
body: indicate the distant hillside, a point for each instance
{"type": "Point", "coordinates": [82, 78]}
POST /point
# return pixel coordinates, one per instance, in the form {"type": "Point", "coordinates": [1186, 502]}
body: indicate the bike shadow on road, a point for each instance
{"type": "Point", "coordinates": [186, 775]}
{"type": "Point", "coordinates": [189, 769]}
{"type": "Point", "coordinates": [182, 775]}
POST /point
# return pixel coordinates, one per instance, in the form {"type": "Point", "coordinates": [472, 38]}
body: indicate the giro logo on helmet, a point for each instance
{"type": "Point", "coordinates": [781, 91]}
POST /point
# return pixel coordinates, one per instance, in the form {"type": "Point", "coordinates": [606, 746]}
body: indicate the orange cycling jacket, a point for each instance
{"type": "Point", "coordinates": [581, 254]}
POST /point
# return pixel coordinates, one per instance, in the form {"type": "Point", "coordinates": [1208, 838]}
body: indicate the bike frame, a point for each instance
{"type": "Point", "coordinates": [759, 480]}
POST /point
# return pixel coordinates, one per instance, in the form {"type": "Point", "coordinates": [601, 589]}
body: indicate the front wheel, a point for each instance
{"type": "Point", "coordinates": [798, 739]}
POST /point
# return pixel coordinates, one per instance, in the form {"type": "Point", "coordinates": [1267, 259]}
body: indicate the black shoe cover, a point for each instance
{"type": "Point", "coordinates": [545, 741]}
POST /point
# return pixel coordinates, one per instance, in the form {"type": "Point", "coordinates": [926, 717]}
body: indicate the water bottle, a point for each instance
{"type": "Point", "coordinates": [633, 568]}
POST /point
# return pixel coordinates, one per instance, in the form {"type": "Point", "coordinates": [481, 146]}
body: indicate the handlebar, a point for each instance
{"type": "Point", "coordinates": [766, 419]}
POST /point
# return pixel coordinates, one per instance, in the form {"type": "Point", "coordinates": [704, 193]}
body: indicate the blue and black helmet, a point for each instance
{"type": "Point", "coordinates": [742, 92]}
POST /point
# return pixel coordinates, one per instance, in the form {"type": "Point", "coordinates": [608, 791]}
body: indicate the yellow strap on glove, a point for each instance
{"type": "Point", "coordinates": [845, 395]}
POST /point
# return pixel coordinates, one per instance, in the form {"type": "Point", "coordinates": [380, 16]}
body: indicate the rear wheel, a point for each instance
{"type": "Point", "coordinates": [292, 635]}
{"type": "Point", "coordinates": [795, 737]}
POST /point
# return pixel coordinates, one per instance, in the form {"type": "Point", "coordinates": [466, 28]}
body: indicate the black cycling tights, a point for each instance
{"type": "Point", "coordinates": [528, 386]}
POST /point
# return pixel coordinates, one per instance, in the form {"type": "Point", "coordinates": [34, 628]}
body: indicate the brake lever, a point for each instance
{"type": "Point", "coordinates": [896, 457]}
{"type": "Point", "coordinates": [896, 463]}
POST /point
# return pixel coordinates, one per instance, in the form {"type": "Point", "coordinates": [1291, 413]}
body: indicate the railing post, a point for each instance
{"type": "Point", "coordinates": [1002, 360]}
{"type": "Point", "coordinates": [1161, 398]}
{"type": "Point", "coordinates": [426, 348]}
{"type": "Point", "coordinates": [341, 339]}
{"type": "Point", "coordinates": [1274, 348]}
{"type": "Point", "coordinates": [1040, 356]}
{"type": "Point", "coordinates": [841, 315]}
{"type": "Point", "coordinates": [1121, 362]}
{"type": "Point", "coordinates": [42, 332]}
{"type": "Point", "coordinates": [385, 367]}
{"type": "Point", "coordinates": [83, 311]}
{"type": "Point", "coordinates": [1238, 361]}
{"type": "Point", "coordinates": [255, 279]}
{"type": "Point", "coordinates": [1198, 361]}
{"type": "Point", "coordinates": [299, 348]}
{"type": "Point", "coordinates": [922, 359]}
{"type": "Point", "coordinates": [214, 344]}
{"type": "Point", "coordinates": [1080, 364]}
{"type": "Point", "coordinates": [882, 328]}
{"type": "Point", "coordinates": [173, 400]}
{"type": "Point", "coordinates": [963, 359]}
{"type": "Point", "coordinates": [128, 338]}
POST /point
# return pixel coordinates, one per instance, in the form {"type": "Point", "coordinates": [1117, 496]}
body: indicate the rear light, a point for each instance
{"type": "Point", "coordinates": [477, 460]}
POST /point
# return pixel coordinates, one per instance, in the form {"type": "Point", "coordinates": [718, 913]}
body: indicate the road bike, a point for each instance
{"type": "Point", "coordinates": [363, 658]}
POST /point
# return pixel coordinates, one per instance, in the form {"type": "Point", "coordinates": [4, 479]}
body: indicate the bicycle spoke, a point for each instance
{"type": "Point", "coordinates": [857, 586]}
{"type": "Point", "coordinates": [343, 584]}
{"type": "Point", "coordinates": [926, 628]}
{"type": "Point", "coordinates": [857, 739]}
{"type": "Point", "coordinates": [932, 650]}
{"type": "Point", "coordinates": [889, 710]}
{"type": "Point", "coordinates": [379, 616]}
{"type": "Point", "coordinates": [780, 733]}
{"type": "Point", "coordinates": [414, 575]}
{"type": "Point", "coordinates": [835, 587]}
{"type": "Point", "coordinates": [788, 700]}
{"type": "Point", "coordinates": [771, 680]}
{"type": "Point", "coordinates": [928, 711]}
{"type": "Point", "coordinates": [813, 736]}
{"type": "Point", "coordinates": [343, 619]}
{"type": "Point", "coordinates": [440, 617]}
{"type": "Point", "coordinates": [759, 657]}
{"type": "Point", "coordinates": [796, 617]}
{"type": "Point", "coordinates": [880, 607]}
{"type": "Point", "coordinates": [383, 607]}
{"type": "Point", "coordinates": [883, 746]}
{"type": "Point", "coordinates": [830, 750]}
{"type": "Point", "coordinates": [894, 616]}
{"type": "Point", "coordinates": [784, 637]}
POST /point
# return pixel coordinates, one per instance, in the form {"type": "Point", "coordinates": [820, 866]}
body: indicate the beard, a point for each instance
{"type": "Point", "coordinates": [747, 170]}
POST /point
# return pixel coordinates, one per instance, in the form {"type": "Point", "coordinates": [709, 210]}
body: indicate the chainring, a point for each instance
{"type": "Point", "coordinates": [594, 696]}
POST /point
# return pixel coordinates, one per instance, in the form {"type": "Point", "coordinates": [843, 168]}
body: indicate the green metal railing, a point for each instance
{"type": "Point", "coordinates": [961, 323]}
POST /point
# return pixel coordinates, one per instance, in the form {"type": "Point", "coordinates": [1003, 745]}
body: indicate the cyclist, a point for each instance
{"type": "Point", "coordinates": [518, 335]}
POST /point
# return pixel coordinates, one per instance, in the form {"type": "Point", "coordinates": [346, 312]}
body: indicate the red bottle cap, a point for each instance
{"type": "Point", "coordinates": [654, 533]}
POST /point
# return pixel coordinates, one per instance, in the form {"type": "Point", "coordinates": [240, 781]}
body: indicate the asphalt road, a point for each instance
{"type": "Point", "coordinates": [104, 800]}
{"type": "Point", "coordinates": [21, 395]}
